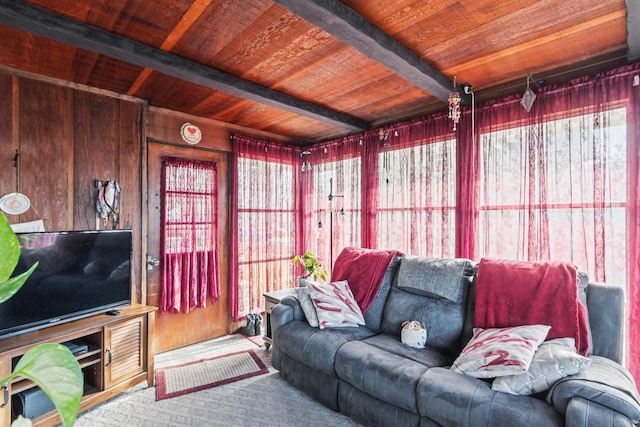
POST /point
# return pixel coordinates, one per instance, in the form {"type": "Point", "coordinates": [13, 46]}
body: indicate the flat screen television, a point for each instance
{"type": "Point", "coordinates": [80, 274]}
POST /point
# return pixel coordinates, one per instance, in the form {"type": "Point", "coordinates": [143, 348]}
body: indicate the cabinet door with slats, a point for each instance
{"type": "Point", "coordinates": [124, 347]}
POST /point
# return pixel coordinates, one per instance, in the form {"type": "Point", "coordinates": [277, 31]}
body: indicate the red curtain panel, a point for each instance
{"type": "Point", "coordinates": [190, 269]}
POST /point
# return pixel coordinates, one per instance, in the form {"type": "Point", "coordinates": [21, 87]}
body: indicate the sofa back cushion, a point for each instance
{"type": "Point", "coordinates": [441, 305]}
{"type": "Point", "coordinates": [435, 277]}
{"type": "Point", "coordinates": [373, 316]}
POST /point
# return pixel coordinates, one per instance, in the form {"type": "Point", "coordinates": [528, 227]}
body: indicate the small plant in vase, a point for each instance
{"type": "Point", "coordinates": [313, 268]}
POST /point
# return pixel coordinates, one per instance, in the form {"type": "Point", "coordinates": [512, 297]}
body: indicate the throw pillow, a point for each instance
{"type": "Point", "coordinates": [496, 352]}
{"type": "Point", "coordinates": [335, 304]}
{"type": "Point", "coordinates": [554, 360]}
{"type": "Point", "coordinates": [413, 334]}
{"type": "Point", "coordinates": [307, 306]}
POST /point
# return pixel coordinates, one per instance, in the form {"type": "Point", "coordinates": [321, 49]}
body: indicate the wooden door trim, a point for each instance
{"type": "Point", "coordinates": [166, 338]}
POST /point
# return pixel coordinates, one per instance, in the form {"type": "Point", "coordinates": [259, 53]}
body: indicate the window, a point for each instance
{"type": "Point", "coordinates": [416, 199]}
{"type": "Point", "coordinates": [266, 230]}
{"type": "Point", "coordinates": [337, 222]}
{"type": "Point", "coordinates": [558, 191]}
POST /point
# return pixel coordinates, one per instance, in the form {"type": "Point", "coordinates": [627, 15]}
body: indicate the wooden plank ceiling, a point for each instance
{"type": "Point", "coordinates": [311, 70]}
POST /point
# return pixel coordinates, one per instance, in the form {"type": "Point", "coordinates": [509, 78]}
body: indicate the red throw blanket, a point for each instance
{"type": "Point", "coordinates": [514, 293]}
{"type": "Point", "coordinates": [364, 270]}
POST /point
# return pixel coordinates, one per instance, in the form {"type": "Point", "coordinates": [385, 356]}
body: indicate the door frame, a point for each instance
{"type": "Point", "coordinates": [177, 330]}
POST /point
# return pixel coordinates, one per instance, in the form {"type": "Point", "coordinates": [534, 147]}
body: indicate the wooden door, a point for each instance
{"type": "Point", "coordinates": [177, 330]}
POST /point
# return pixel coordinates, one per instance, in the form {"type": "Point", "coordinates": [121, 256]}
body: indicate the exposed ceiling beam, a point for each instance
{"type": "Point", "coordinates": [190, 16]}
{"type": "Point", "coordinates": [36, 20]}
{"type": "Point", "coordinates": [633, 29]}
{"type": "Point", "coordinates": [347, 25]}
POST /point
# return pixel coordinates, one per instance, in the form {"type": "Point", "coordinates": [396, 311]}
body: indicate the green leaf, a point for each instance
{"type": "Point", "coordinates": [9, 249]}
{"type": "Point", "coordinates": [9, 255]}
{"type": "Point", "coordinates": [56, 371]}
{"type": "Point", "coordinates": [311, 265]}
{"type": "Point", "coordinates": [9, 287]}
{"type": "Point", "coordinates": [50, 366]}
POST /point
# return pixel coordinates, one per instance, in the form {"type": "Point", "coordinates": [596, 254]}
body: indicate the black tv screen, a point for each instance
{"type": "Point", "coordinates": [80, 273]}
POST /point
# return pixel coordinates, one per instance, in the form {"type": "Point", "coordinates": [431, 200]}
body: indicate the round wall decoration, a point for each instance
{"type": "Point", "coordinates": [15, 203]}
{"type": "Point", "coordinates": [191, 134]}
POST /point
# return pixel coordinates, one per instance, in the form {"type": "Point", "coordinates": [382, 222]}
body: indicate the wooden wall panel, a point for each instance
{"type": "Point", "coordinates": [69, 136]}
{"type": "Point", "coordinates": [164, 126]}
{"type": "Point", "coordinates": [8, 143]}
{"type": "Point", "coordinates": [107, 147]}
{"type": "Point", "coordinates": [46, 152]}
{"type": "Point", "coordinates": [130, 177]}
{"type": "Point", "coordinates": [96, 154]}
{"type": "Point", "coordinates": [66, 137]}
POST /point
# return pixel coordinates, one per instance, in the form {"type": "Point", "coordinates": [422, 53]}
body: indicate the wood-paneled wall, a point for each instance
{"type": "Point", "coordinates": [69, 135]}
{"type": "Point", "coordinates": [66, 138]}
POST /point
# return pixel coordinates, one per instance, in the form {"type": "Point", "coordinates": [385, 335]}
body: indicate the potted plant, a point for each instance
{"type": "Point", "coordinates": [51, 366]}
{"type": "Point", "coordinates": [312, 267]}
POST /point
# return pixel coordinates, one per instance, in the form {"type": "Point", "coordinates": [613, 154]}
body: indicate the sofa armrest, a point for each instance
{"type": "Point", "coordinates": [605, 383]}
{"type": "Point", "coordinates": [287, 310]}
{"type": "Point", "coordinates": [606, 320]}
{"type": "Point", "coordinates": [585, 413]}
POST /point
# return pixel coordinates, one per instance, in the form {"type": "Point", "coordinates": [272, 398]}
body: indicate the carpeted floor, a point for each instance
{"type": "Point", "coordinates": [261, 400]}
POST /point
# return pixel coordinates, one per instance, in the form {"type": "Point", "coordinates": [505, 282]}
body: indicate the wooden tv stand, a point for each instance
{"type": "Point", "coordinates": [119, 356]}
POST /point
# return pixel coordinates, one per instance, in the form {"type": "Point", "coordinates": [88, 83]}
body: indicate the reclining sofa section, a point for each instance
{"type": "Point", "coordinates": [367, 373]}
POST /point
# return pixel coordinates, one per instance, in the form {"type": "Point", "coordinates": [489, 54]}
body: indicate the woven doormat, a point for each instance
{"type": "Point", "coordinates": [177, 380]}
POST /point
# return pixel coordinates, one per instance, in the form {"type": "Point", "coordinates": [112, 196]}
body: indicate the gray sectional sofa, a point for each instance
{"type": "Point", "coordinates": [366, 372]}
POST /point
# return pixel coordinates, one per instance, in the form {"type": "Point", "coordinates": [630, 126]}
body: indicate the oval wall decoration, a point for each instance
{"type": "Point", "coordinates": [191, 134]}
{"type": "Point", "coordinates": [15, 203]}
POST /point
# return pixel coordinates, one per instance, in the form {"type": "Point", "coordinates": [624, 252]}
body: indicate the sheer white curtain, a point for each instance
{"type": "Point", "coordinates": [557, 190]}
{"type": "Point", "coordinates": [333, 200]}
{"type": "Point", "coordinates": [416, 199]}
{"type": "Point", "coordinates": [266, 230]}
{"type": "Point", "coordinates": [337, 207]}
{"type": "Point", "coordinates": [264, 220]}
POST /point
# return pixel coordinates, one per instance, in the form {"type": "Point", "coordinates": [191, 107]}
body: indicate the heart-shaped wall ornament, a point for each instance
{"type": "Point", "coordinates": [190, 133]}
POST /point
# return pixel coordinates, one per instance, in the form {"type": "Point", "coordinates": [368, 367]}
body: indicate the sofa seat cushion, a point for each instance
{"type": "Point", "coordinates": [453, 399]}
{"type": "Point", "coordinates": [428, 356]}
{"type": "Point", "coordinates": [379, 373]}
{"type": "Point", "coordinates": [316, 348]}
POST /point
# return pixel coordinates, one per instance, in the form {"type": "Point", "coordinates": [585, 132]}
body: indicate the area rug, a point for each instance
{"type": "Point", "coordinates": [255, 401]}
{"type": "Point", "coordinates": [201, 374]}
